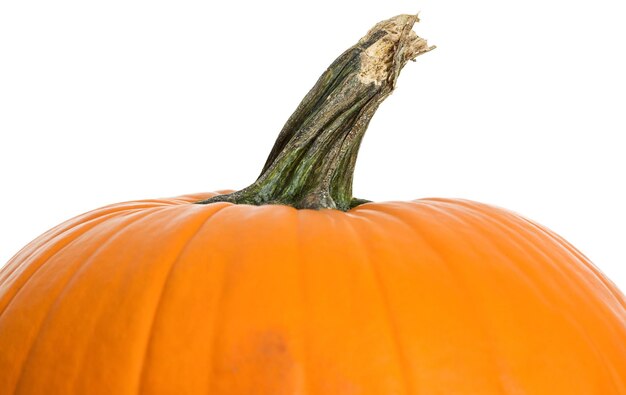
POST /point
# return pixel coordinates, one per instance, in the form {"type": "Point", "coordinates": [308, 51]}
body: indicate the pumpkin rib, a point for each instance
{"type": "Point", "coordinates": [522, 232]}
{"type": "Point", "coordinates": [299, 223]}
{"type": "Point", "coordinates": [265, 268]}
{"type": "Point", "coordinates": [573, 275]}
{"type": "Point", "coordinates": [517, 233]}
{"type": "Point", "coordinates": [24, 255]}
{"type": "Point", "coordinates": [32, 248]}
{"type": "Point", "coordinates": [516, 237]}
{"type": "Point", "coordinates": [32, 275]}
{"type": "Point", "coordinates": [310, 225]}
{"type": "Point", "coordinates": [608, 284]}
{"type": "Point", "coordinates": [41, 267]}
{"type": "Point", "coordinates": [478, 306]}
{"type": "Point", "coordinates": [170, 212]}
{"type": "Point", "coordinates": [158, 350]}
{"type": "Point", "coordinates": [521, 271]}
{"type": "Point", "coordinates": [224, 365]}
{"type": "Point", "coordinates": [174, 201]}
{"type": "Point", "coordinates": [381, 211]}
{"type": "Point", "coordinates": [219, 306]}
{"type": "Point", "coordinates": [467, 291]}
{"type": "Point", "coordinates": [582, 331]}
{"type": "Point", "coordinates": [69, 281]}
{"type": "Point", "coordinates": [486, 222]}
{"type": "Point", "coordinates": [480, 220]}
{"type": "Point", "coordinates": [48, 254]}
{"type": "Point", "coordinates": [381, 290]}
{"type": "Point", "coordinates": [483, 220]}
{"type": "Point", "coordinates": [142, 371]}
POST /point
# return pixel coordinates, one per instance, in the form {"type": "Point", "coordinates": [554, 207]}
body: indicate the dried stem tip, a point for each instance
{"type": "Point", "coordinates": [395, 43]}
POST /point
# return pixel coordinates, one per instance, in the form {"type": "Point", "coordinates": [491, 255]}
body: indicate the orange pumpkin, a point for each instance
{"type": "Point", "coordinates": [244, 294]}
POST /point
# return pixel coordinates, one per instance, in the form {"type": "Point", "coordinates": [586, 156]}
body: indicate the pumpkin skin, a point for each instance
{"type": "Point", "coordinates": [433, 296]}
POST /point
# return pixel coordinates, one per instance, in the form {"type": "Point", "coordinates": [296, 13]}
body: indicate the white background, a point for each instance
{"type": "Point", "coordinates": [522, 105]}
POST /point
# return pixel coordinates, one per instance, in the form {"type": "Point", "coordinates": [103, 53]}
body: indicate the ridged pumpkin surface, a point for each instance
{"type": "Point", "coordinates": [427, 297]}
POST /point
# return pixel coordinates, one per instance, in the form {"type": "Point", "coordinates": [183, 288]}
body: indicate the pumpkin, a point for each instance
{"type": "Point", "coordinates": [292, 286]}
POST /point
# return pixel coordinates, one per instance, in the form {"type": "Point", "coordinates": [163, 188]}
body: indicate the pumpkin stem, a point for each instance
{"type": "Point", "coordinates": [312, 162]}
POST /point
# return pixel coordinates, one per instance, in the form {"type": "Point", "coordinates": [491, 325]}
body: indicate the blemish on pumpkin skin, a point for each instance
{"type": "Point", "coordinates": [261, 363]}
{"type": "Point", "coordinates": [272, 345]}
